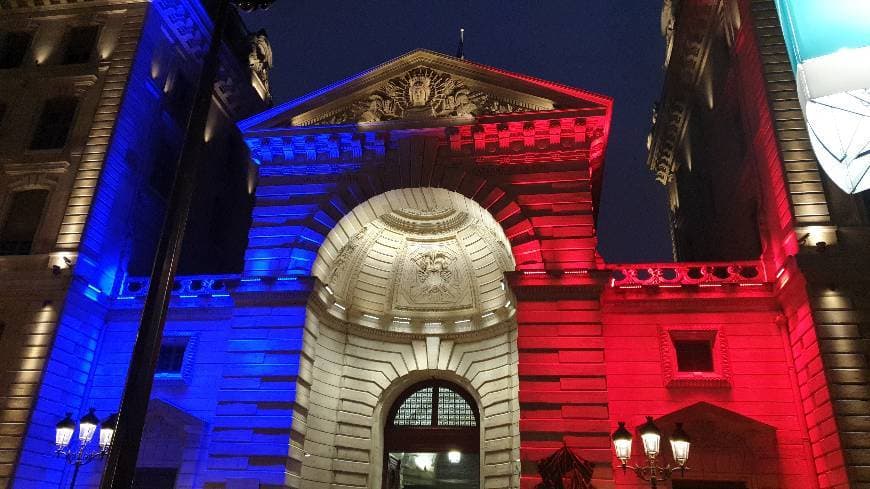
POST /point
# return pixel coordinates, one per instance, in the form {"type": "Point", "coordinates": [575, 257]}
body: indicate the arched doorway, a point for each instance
{"type": "Point", "coordinates": [409, 287]}
{"type": "Point", "coordinates": [432, 439]}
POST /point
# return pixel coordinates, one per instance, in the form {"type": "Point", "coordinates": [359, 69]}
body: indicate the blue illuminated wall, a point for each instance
{"type": "Point", "coordinates": [228, 421]}
{"type": "Point", "coordinates": [236, 399]}
{"type": "Point", "coordinates": [87, 364]}
{"type": "Point", "coordinates": [300, 200]}
{"type": "Point", "coordinates": [68, 373]}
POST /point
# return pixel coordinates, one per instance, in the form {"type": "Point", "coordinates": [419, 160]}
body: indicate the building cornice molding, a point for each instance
{"type": "Point", "coordinates": [574, 135]}
{"type": "Point", "coordinates": [27, 6]}
{"type": "Point", "coordinates": [15, 169]}
{"type": "Point", "coordinates": [691, 45]}
{"type": "Point", "coordinates": [324, 318]}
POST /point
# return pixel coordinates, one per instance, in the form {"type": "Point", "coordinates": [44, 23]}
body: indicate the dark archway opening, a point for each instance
{"type": "Point", "coordinates": [432, 439]}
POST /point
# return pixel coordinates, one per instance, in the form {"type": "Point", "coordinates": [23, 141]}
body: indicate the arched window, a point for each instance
{"type": "Point", "coordinates": [432, 439]}
{"type": "Point", "coordinates": [436, 405]}
{"type": "Point", "coordinates": [22, 221]}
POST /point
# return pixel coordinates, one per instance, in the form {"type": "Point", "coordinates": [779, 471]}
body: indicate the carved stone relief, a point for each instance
{"type": "Point", "coordinates": [434, 277]}
{"type": "Point", "coordinates": [421, 93]}
{"type": "Point", "coordinates": [431, 277]}
{"type": "Point", "coordinates": [260, 56]}
{"type": "Point", "coordinates": [344, 256]}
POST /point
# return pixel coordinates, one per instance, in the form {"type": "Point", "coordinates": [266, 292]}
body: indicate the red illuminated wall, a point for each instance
{"type": "Point", "coordinates": [776, 367]}
{"type": "Point", "coordinates": [563, 387]}
{"type": "Point", "coordinates": [596, 348]}
{"type": "Point", "coordinates": [754, 380]}
{"type": "Point", "coordinates": [754, 89]}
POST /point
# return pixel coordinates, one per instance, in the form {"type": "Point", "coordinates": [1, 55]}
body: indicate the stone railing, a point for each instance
{"type": "Point", "coordinates": [700, 274]}
{"type": "Point", "coordinates": [187, 285]}
{"type": "Point", "coordinates": [190, 286]}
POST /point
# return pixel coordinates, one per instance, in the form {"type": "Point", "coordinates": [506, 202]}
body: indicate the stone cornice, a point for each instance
{"type": "Point", "coordinates": [35, 167]}
{"type": "Point", "coordinates": [20, 6]}
{"type": "Point", "coordinates": [319, 309]}
{"type": "Point", "coordinates": [570, 135]}
{"type": "Point", "coordinates": [691, 45]}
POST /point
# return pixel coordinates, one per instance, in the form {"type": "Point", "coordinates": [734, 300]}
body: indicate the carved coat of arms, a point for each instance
{"type": "Point", "coordinates": [421, 93]}
{"type": "Point", "coordinates": [434, 277]}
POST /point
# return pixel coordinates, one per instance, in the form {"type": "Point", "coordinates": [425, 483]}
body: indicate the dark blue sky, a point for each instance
{"type": "Point", "coordinates": [608, 46]}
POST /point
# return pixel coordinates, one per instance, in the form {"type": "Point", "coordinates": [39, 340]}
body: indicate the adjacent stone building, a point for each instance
{"type": "Point", "coordinates": [94, 99]}
{"type": "Point", "coordinates": [420, 302]}
{"type": "Point", "coordinates": [731, 146]}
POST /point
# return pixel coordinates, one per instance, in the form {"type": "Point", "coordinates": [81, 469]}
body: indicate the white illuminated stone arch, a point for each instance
{"type": "Point", "coordinates": [410, 287]}
{"type": "Point", "coordinates": [421, 199]}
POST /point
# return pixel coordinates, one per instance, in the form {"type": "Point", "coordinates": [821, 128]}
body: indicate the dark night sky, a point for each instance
{"type": "Point", "coordinates": [612, 47]}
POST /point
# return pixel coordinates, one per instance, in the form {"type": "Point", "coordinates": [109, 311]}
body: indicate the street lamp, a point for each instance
{"type": "Point", "coordinates": [83, 454]}
{"type": "Point", "coordinates": [651, 437]}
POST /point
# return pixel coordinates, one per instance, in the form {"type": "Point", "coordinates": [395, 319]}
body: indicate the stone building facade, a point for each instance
{"type": "Point", "coordinates": [94, 98]}
{"type": "Point", "coordinates": [729, 87]}
{"type": "Point", "coordinates": [421, 303]}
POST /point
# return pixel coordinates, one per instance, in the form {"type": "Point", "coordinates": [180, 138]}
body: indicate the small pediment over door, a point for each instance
{"type": "Point", "coordinates": [424, 87]}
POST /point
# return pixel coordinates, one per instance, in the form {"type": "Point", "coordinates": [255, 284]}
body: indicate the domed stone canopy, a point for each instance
{"type": "Point", "coordinates": [423, 259]}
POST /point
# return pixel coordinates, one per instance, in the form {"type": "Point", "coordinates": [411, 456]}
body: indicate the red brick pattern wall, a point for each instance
{"type": "Point", "coordinates": [762, 395]}
{"type": "Point", "coordinates": [563, 391]}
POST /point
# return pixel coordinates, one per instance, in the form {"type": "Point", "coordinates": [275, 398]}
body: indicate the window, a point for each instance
{"type": "Point", "coordinates": [23, 217]}
{"type": "Point", "coordinates": [432, 438]}
{"type": "Point", "coordinates": [171, 357]}
{"type": "Point", "coordinates": [80, 42]}
{"type": "Point", "coordinates": [180, 93]}
{"type": "Point", "coordinates": [175, 360]}
{"type": "Point", "coordinates": [163, 168]}
{"type": "Point", "coordinates": [54, 123]}
{"type": "Point", "coordinates": [435, 406]}
{"type": "Point", "coordinates": [694, 355]}
{"type": "Point", "coordinates": [13, 47]}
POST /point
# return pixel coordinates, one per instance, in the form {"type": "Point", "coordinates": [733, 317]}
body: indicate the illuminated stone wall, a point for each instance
{"type": "Point", "coordinates": [292, 363]}
{"type": "Point", "coordinates": [813, 234]}
{"type": "Point", "coordinates": [54, 318]}
{"type": "Point", "coordinates": [102, 209]}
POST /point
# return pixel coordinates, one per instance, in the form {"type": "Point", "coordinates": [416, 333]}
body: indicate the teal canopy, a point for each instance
{"type": "Point", "coordinates": [815, 28]}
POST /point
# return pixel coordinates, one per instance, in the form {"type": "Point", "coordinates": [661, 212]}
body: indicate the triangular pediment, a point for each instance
{"type": "Point", "coordinates": [424, 85]}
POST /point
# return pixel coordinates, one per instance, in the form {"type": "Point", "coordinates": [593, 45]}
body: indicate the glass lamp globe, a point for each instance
{"type": "Point", "coordinates": [651, 436]}
{"type": "Point", "coordinates": [454, 456]}
{"type": "Point", "coordinates": [107, 431]}
{"type": "Point", "coordinates": [680, 444]}
{"type": "Point", "coordinates": [622, 443]}
{"type": "Point", "coordinates": [88, 426]}
{"type": "Point", "coordinates": [63, 431]}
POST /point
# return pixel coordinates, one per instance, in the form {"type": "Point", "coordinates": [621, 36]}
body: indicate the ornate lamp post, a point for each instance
{"type": "Point", "coordinates": [651, 437]}
{"type": "Point", "coordinates": [84, 454]}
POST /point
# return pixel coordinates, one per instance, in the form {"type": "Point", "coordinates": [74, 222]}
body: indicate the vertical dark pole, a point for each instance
{"type": "Point", "coordinates": [121, 463]}
{"type": "Point", "coordinates": [72, 484]}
